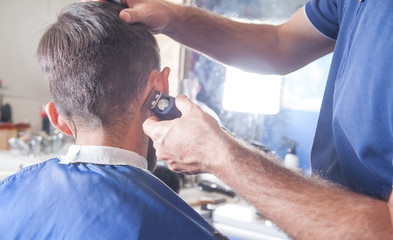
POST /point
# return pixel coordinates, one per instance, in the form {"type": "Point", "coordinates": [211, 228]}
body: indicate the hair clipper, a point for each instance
{"type": "Point", "coordinates": [162, 105]}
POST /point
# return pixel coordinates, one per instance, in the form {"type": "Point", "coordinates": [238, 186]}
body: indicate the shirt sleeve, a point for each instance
{"type": "Point", "coordinates": [323, 15]}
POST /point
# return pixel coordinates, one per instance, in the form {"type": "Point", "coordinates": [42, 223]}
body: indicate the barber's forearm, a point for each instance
{"type": "Point", "coordinates": [252, 47]}
{"type": "Point", "coordinates": [267, 49]}
{"type": "Point", "coordinates": [304, 208]}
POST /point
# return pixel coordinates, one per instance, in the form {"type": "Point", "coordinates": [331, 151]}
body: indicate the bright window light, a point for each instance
{"type": "Point", "coordinates": [252, 93]}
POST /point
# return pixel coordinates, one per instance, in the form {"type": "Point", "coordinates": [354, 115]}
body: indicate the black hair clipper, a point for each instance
{"type": "Point", "coordinates": [162, 105]}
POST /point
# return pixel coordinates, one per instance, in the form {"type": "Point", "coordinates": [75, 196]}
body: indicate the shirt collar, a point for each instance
{"type": "Point", "coordinates": [103, 155]}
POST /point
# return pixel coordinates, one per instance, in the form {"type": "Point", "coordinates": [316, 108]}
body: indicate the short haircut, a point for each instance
{"type": "Point", "coordinates": [97, 65]}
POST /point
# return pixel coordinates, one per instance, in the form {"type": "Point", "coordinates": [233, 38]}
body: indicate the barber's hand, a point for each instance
{"type": "Point", "coordinates": [156, 14]}
{"type": "Point", "coordinates": [194, 143]}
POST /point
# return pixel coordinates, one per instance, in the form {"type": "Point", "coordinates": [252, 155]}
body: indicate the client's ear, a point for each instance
{"type": "Point", "coordinates": [160, 80]}
{"type": "Point", "coordinates": [56, 120]}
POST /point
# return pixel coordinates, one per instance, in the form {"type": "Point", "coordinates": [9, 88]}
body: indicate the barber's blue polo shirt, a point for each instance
{"type": "Point", "coordinates": [353, 144]}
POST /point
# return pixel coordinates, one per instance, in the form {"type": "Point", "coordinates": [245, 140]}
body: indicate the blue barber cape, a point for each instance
{"type": "Point", "coordinates": [89, 201]}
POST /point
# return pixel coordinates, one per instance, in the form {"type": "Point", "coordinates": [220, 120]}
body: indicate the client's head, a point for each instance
{"type": "Point", "coordinates": [100, 70]}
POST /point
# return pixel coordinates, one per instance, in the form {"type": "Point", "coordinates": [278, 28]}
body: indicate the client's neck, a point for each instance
{"type": "Point", "coordinates": [132, 139]}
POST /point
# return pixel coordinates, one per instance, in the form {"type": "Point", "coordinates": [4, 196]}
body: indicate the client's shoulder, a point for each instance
{"type": "Point", "coordinates": [26, 172]}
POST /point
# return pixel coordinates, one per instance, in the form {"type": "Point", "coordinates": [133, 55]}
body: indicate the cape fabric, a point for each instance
{"type": "Point", "coordinates": [51, 200]}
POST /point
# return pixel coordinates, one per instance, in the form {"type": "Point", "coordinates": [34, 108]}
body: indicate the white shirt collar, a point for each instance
{"type": "Point", "coordinates": [103, 155]}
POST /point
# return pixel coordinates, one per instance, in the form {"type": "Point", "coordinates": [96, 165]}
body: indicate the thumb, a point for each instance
{"type": "Point", "coordinates": [130, 15]}
{"type": "Point", "coordinates": [151, 127]}
{"type": "Point", "coordinates": [184, 104]}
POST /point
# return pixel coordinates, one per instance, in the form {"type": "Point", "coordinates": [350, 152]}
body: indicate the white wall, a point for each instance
{"type": "Point", "coordinates": [22, 23]}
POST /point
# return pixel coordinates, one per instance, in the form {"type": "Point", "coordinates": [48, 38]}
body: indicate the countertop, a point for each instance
{"type": "Point", "coordinates": [12, 162]}
{"type": "Point", "coordinates": [233, 217]}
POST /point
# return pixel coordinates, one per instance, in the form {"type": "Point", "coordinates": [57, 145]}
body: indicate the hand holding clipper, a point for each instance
{"type": "Point", "coordinates": [162, 105]}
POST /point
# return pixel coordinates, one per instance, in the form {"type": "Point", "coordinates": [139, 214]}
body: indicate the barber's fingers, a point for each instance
{"type": "Point", "coordinates": [154, 14]}
{"type": "Point", "coordinates": [134, 14]}
{"type": "Point", "coordinates": [140, 13]}
{"type": "Point", "coordinates": [130, 16]}
{"type": "Point", "coordinates": [153, 128]}
{"type": "Point", "coordinates": [184, 104]}
{"type": "Point", "coordinates": [158, 130]}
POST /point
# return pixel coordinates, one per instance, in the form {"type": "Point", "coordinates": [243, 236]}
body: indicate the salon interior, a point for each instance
{"type": "Point", "coordinates": [279, 112]}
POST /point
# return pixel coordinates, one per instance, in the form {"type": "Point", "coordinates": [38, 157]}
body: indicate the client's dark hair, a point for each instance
{"type": "Point", "coordinates": [96, 64]}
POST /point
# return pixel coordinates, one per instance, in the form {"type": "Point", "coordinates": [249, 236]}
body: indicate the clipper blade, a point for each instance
{"type": "Point", "coordinates": [152, 99]}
